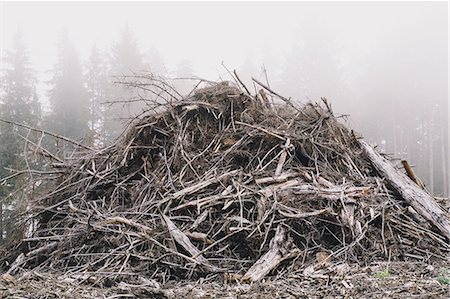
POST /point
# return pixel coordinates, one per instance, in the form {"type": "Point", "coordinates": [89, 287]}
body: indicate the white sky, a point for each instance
{"type": "Point", "coordinates": [204, 32]}
{"type": "Point", "coordinates": [207, 33]}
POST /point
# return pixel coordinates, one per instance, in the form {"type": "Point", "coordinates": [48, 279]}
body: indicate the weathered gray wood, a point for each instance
{"type": "Point", "coordinates": [203, 184]}
{"type": "Point", "coordinates": [184, 241]}
{"type": "Point", "coordinates": [16, 264]}
{"type": "Point", "coordinates": [420, 200]}
{"type": "Point", "coordinates": [280, 249]}
{"type": "Point", "coordinates": [283, 157]}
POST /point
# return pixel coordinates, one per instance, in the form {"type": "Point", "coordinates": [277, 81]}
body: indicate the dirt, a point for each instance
{"type": "Point", "coordinates": [386, 280]}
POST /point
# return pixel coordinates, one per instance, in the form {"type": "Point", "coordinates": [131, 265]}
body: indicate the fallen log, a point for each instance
{"type": "Point", "coordinates": [420, 200]}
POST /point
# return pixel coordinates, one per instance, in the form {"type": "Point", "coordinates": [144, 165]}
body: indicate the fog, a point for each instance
{"type": "Point", "coordinates": [383, 63]}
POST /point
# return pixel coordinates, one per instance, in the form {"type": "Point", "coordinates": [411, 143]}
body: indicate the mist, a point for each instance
{"type": "Point", "coordinates": [384, 64]}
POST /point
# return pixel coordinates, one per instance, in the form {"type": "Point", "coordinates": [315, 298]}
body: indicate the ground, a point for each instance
{"type": "Point", "coordinates": [394, 280]}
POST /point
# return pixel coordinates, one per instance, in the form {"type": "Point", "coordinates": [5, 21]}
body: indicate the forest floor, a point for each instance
{"type": "Point", "coordinates": [396, 280]}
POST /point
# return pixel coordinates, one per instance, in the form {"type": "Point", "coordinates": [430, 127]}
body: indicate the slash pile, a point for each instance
{"type": "Point", "coordinates": [222, 181]}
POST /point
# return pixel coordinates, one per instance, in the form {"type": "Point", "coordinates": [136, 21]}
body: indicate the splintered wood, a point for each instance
{"type": "Point", "coordinates": [280, 249]}
{"type": "Point", "coordinates": [184, 241]}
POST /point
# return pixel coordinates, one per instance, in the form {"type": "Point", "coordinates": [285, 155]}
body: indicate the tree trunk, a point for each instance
{"type": "Point", "coordinates": [1, 222]}
{"type": "Point", "coordinates": [420, 200]}
{"type": "Point", "coordinates": [430, 157]}
{"type": "Point", "coordinates": [444, 163]}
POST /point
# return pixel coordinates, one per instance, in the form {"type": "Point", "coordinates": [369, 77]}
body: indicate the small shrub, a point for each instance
{"type": "Point", "coordinates": [382, 273]}
{"type": "Point", "coordinates": [443, 278]}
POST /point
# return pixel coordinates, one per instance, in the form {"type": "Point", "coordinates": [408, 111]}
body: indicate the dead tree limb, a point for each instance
{"type": "Point", "coordinates": [420, 200]}
{"type": "Point", "coordinates": [47, 132]}
{"type": "Point", "coordinates": [280, 249]}
{"type": "Point", "coordinates": [411, 174]}
{"type": "Point", "coordinates": [184, 241]}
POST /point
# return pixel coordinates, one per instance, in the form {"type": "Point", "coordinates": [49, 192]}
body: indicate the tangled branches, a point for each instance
{"type": "Point", "coordinates": [222, 182]}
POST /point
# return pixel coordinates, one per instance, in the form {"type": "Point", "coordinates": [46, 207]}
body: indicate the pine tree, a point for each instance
{"type": "Point", "coordinates": [126, 56]}
{"type": "Point", "coordinates": [156, 62]}
{"type": "Point", "coordinates": [126, 60]}
{"type": "Point", "coordinates": [312, 68]}
{"type": "Point", "coordinates": [68, 95]}
{"type": "Point", "coordinates": [18, 103]}
{"type": "Point", "coordinates": [19, 100]}
{"type": "Point", "coordinates": [98, 86]}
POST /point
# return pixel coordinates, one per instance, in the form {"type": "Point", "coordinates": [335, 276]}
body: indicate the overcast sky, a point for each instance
{"type": "Point", "coordinates": [207, 33]}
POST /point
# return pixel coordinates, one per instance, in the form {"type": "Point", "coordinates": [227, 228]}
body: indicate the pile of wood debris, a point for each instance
{"type": "Point", "coordinates": [230, 184]}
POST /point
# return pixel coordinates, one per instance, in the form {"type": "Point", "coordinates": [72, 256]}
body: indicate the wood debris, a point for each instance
{"type": "Point", "coordinates": [226, 181]}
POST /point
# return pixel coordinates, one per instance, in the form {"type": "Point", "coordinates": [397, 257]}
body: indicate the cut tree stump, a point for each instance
{"type": "Point", "coordinates": [420, 200]}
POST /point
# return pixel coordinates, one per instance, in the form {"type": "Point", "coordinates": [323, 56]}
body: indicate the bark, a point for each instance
{"type": "Point", "coordinates": [444, 164]}
{"type": "Point", "coordinates": [184, 241]}
{"type": "Point", "coordinates": [420, 200]}
{"type": "Point", "coordinates": [281, 248]}
{"type": "Point", "coordinates": [1, 222]}
{"type": "Point", "coordinates": [411, 174]}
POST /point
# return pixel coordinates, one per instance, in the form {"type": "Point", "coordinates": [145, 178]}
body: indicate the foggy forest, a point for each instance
{"type": "Point", "coordinates": [383, 66]}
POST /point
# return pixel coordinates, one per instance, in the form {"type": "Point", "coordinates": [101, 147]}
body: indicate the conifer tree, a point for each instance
{"type": "Point", "coordinates": [68, 95]}
{"type": "Point", "coordinates": [18, 103]}
{"type": "Point", "coordinates": [98, 86]}
{"type": "Point", "coordinates": [126, 60]}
